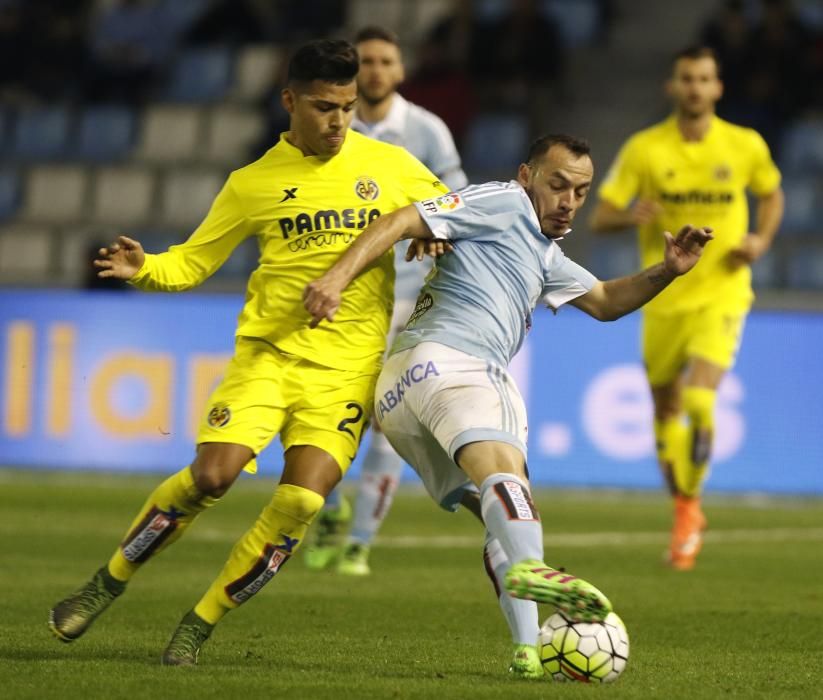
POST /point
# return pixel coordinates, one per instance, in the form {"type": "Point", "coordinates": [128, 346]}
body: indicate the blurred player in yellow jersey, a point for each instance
{"type": "Point", "coordinates": [305, 201]}
{"type": "Point", "coordinates": [691, 167]}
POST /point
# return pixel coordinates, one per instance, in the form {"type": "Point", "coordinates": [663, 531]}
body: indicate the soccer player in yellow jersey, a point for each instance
{"type": "Point", "coordinates": [692, 167]}
{"type": "Point", "coordinates": [305, 201]}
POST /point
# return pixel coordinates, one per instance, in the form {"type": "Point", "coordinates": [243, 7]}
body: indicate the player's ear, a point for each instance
{"type": "Point", "coordinates": [524, 174]}
{"type": "Point", "coordinates": [287, 99]}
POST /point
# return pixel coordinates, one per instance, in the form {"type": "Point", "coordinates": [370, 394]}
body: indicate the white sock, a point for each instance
{"type": "Point", "coordinates": [511, 517]}
{"type": "Point", "coordinates": [521, 615]}
{"type": "Point", "coordinates": [375, 492]}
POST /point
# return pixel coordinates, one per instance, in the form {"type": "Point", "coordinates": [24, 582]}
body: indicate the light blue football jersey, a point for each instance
{"type": "Point", "coordinates": [480, 297]}
{"type": "Point", "coordinates": [428, 139]}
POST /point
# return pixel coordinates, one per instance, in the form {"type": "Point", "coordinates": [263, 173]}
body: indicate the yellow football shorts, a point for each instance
{"type": "Point", "coordinates": [265, 392]}
{"type": "Point", "coordinates": [712, 333]}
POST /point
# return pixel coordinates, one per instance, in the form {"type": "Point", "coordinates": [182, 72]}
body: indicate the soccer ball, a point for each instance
{"type": "Point", "coordinates": [589, 652]}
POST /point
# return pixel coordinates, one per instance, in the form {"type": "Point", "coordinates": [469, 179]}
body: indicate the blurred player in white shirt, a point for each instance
{"type": "Point", "coordinates": [383, 114]}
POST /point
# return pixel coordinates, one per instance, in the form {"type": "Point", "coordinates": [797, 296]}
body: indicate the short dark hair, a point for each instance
{"type": "Point", "coordinates": [696, 52]}
{"type": "Point", "coordinates": [329, 60]}
{"type": "Point", "coordinates": [373, 32]}
{"type": "Point", "coordinates": [580, 147]}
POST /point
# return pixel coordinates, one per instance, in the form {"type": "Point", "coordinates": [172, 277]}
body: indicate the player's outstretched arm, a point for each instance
{"type": "Point", "coordinates": [610, 300]}
{"type": "Point", "coordinates": [321, 298]}
{"type": "Point", "coordinates": [121, 260]}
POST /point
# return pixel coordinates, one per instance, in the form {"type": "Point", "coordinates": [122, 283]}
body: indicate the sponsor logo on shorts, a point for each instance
{"type": "Point", "coordinates": [219, 416]}
{"type": "Point", "coordinates": [263, 571]}
{"type": "Point", "coordinates": [149, 534]}
{"type": "Point", "coordinates": [442, 205]}
{"type": "Point", "coordinates": [516, 500]}
{"type": "Point", "coordinates": [415, 374]}
{"type": "Point", "coordinates": [366, 188]}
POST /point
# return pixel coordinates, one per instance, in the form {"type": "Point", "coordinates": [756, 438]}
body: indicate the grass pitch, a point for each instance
{"type": "Point", "coordinates": [746, 623]}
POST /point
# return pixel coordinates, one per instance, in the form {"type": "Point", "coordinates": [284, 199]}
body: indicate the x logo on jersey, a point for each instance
{"type": "Point", "coordinates": [289, 193]}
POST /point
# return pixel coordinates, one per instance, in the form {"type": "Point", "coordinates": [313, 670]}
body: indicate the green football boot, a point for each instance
{"type": "Point", "coordinates": [354, 561]}
{"type": "Point", "coordinates": [526, 662]}
{"type": "Point", "coordinates": [71, 617]}
{"type": "Point", "coordinates": [324, 549]}
{"type": "Point", "coordinates": [575, 598]}
{"type": "Point", "coordinates": [184, 646]}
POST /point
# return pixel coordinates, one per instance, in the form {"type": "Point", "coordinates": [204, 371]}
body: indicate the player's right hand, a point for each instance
{"type": "Point", "coordinates": [321, 299]}
{"type": "Point", "coordinates": [121, 260]}
{"type": "Point", "coordinates": [645, 211]}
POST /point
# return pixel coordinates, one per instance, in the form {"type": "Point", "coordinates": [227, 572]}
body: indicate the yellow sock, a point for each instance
{"type": "Point", "coordinates": [259, 554]}
{"type": "Point", "coordinates": [166, 514]}
{"type": "Point", "coordinates": [698, 402]}
{"type": "Point", "coordinates": [671, 439]}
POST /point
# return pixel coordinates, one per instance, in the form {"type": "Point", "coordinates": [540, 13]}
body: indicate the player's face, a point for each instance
{"type": "Point", "coordinates": [320, 114]}
{"type": "Point", "coordinates": [381, 70]}
{"type": "Point", "coordinates": [557, 185]}
{"type": "Point", "coordinates": [695, 86]}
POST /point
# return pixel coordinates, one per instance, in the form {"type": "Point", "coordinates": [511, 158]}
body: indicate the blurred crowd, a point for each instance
{"type": "Point", "coordinates": [99, 73]}
{"type": "Point", "coordinates": [772, 64]}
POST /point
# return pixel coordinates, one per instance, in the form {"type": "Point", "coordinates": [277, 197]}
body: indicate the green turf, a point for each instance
{"type": "Point", "coordinates": [747, 623]}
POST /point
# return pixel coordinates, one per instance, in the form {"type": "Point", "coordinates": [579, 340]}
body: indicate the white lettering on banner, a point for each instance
{"type": "Point", "coordinates": [617, 415]}
{"type": "Point", "coordinates": [554, 439]}
{"type": "Point", "coordinates": [730, 433]}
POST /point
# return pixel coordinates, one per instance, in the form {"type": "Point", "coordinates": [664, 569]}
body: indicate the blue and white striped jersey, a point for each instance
{"type": "Point", "coordinates": [481, 296]}
{"type": "Point", "coordinates": [428, 139]}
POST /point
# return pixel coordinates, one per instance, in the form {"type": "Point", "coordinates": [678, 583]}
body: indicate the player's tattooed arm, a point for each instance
{"type": "Point", "coordinates": [610, 300]}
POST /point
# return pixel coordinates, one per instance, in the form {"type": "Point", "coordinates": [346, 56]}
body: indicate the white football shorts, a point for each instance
{"type": "Point", "coordinates": [432, 399]}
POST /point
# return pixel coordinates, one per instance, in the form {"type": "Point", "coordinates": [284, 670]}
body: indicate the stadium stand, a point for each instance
{"type": "Point", "coordinates": [85, 166]}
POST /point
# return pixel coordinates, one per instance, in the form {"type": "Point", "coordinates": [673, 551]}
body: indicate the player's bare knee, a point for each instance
{"type": "Point", "coordinates": [211, 481]}
{"type": "Point", "coordinates": [217, 466]}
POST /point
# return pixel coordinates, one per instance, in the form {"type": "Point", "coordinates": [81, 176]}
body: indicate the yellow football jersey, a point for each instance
{"type": "Point", "coordinates": [702, 183]}
{"type": "Point", "coordinates": [305, 212]}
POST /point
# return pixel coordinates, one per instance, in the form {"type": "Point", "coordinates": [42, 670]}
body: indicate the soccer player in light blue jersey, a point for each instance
{"type": "Point", "coordinates": [383, 114]}
{"type": "Point", "coordinates": [444, 398]}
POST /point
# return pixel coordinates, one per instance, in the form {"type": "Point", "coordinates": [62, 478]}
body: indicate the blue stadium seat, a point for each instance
{"type": "Point", "coordinates": [158, 241]}
{"type": "Point", "coordinates": [766, 272]}
{"type": "Point", "coordinates": [805, 267]}
{"type": "Point", "coordinates": [9, 193]}
{"type": "Point", "coordinates": [105, 133]}
{"type": "Point", "coordinates": [614, 256]}
{"type": "Point", "coordinates": [496, 142]}
{"type": "Point", "coordinates": [577, 20]}
{"type": "Point", "coordinates": [804, 205]}
{"type": "Point", "coordinates": [41, 134]}
{"type": "Point", "coordinates": [802, 148]}
{"type": "Point", "coordinates": [201, 75]}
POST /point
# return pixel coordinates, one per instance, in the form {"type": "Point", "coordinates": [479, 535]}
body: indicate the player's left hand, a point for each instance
{"type": "Point", "coordinates": [684, 250]}
{"type": "Point", "coordinates": [749, 251]}
{"type": "Point", "coordinates": [419, 248]}
{"type": "Point", "coordinates": [321, 299]}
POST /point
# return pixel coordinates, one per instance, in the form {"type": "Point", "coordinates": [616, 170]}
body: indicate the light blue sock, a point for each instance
{"type": "Point", "coordinates": [521, 615]}
{"type": "Point", "coordinates": [511, 517]}
{"type": "Point", "coordinates": [375, 491]}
